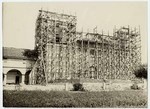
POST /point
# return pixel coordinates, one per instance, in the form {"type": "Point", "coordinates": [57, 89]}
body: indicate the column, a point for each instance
{"type": "Point", "coordinates": [66, 87]}
{"type": "Point", "coordinates": [5, 79]}
{"type": "Point", "coordinates": [23, 79]}
{"type": "Point", "coordinates": [145, 84]}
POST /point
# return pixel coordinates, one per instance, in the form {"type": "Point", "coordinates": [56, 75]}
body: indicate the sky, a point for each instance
{"type": "Point", "coordinates": [19, 19]}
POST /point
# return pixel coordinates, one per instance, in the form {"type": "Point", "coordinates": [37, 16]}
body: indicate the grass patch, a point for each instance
{"type": "Point", "coordinates": [71, 99]}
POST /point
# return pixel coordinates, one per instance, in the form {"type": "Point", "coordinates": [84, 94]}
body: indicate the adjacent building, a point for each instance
{"type": "Point", "coordinates": [16, 66]}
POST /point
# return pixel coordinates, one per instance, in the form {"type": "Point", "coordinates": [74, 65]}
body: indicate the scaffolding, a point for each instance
{"type": "Point", "coordinates": [65, 53]}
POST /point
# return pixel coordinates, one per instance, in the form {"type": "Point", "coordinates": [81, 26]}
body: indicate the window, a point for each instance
{"type": "Point", "coordinates": [92, 52]}
{"type": "Point", "coordinates": [57, 39]}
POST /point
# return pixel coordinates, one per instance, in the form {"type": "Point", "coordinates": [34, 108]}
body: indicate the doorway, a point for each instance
{"type": "Point", "coordinates": [27, 77]}
{"type": "Point", "coordinates": [17, 79]}
{"type": "Point", "coordinates": [14, 77]}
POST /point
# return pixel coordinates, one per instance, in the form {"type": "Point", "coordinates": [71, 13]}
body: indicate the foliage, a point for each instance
{"type": "Point", "coordinates": [74, 99]}
{"type": "Point", "coordinates": [141, 72]}
{"type": "Point", "coordinates": [78, 87]}
{"type": "Point", "coordinates": [135, 87]}
{"type": "Point", "coordinates": [31, 53]}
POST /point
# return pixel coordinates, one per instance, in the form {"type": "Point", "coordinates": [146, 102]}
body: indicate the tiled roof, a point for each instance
{"type": "Point", "coordinates": [14, 53]}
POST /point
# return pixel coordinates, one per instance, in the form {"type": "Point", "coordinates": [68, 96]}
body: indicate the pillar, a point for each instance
{"type": "Point", "coordinates": [23, 79]}
{"type": "Point", "coordinates": [104, 85]}
{"type": "Point", "coordinates": [66, 86]}
{"type": "Point", "coordinates": [145, 84]}
{"type": "Point", "coordinates": [5, 79]}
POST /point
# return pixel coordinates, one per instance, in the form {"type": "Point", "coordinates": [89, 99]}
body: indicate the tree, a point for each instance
{"type": "Point", "coordinates": [31, 53]}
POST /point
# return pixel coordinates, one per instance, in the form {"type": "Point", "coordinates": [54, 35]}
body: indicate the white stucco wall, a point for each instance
{"type": "Point", "coordinates": [13, 66]}
{"type": "Point", "coordinates": [17, 63]}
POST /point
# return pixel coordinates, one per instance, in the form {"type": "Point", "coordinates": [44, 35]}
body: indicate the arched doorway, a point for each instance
{"type": "Point", "coordinates": [14, 77]}
{"type": "Point", "coordinates": [27, 77]}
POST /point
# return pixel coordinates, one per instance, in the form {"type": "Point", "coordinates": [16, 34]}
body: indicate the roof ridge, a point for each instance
{"type": "Point", "coordinates": [18, 48]}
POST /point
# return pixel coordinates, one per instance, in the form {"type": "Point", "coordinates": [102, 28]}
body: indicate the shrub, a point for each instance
{"type": "Point", "coordinates": [135, 87]}
{"type": "Point", "coordinates": [31, 53]}
{"type": "Point", "coordinates": [141, 72]}
{"type": "Point", "coordinates": [78, 87]}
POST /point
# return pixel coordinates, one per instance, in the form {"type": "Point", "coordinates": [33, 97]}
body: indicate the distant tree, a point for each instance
{"type": "Point", "coordinates": [31, 53]}
{"type": "Point", "coordinates": [141, 72]}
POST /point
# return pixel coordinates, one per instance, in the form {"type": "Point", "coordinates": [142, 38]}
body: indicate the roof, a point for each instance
{"type": "Point", "coordinates": [14, 53]}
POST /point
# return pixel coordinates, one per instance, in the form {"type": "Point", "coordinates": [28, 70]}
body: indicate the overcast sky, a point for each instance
{"type": "Point", "coordinates": [19, 19]}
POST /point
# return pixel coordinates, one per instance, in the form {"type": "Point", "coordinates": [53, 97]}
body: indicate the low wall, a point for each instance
{"type": "Point", "coordinates": [49, 87]}
{"type": "Point", "coordinates": [108, 85]}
